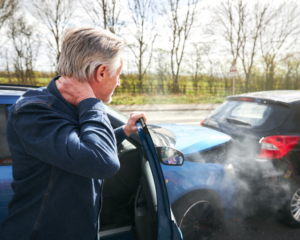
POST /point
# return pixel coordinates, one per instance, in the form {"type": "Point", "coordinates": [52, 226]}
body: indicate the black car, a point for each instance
{"type": "Point", "coordinates": [265, 155]}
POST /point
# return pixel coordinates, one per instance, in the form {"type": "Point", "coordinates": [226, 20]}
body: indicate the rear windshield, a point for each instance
{"type": "Point", "coordinates": [251, 114]}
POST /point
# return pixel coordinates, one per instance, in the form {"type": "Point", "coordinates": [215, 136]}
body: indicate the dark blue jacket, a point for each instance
{"type": "Point", "coordinates": [61, 154]}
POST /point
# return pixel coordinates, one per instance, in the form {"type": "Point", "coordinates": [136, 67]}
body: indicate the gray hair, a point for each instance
{"type": "Point", "coordinates": [83, 50]}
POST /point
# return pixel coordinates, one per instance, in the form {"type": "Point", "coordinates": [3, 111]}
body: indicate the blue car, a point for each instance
{"type": "Point", "coordinates": [203, 184]}
{"type": "Point", "coordinates": [172, 183]}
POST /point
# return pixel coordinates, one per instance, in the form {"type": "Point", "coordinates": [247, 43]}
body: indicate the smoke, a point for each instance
{"type": "Point", "coordinates": [263, 184]}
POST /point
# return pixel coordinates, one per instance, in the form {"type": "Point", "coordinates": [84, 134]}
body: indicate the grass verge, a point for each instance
{"type": "Point", "coordinates": [165, 99]}
{"type": "Point", "coordinates": [128, 99]}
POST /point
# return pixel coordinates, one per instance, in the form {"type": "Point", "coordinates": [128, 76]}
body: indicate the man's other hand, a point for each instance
{"type": "Point", "coordinates": [74, 91]}
{"type": "Point", "coordinates": [130, 127]}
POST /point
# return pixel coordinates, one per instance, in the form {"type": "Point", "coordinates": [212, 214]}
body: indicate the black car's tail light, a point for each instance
{"type": "Point", "coordinates": [274, 147]}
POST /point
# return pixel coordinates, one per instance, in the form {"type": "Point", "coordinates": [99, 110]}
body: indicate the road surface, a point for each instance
{"type": "Point", "coordinates": [190, 114]}
{"type": "Point", "coordinates": [179, 117]}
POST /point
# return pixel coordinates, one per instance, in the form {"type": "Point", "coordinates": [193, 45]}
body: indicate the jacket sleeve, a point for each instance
{"type": "Point", "coordinates": [87, 147]}
{"type": "Point", "coordinates": [120, 135]}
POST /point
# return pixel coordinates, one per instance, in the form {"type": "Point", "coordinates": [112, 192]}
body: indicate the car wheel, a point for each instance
{"type": "Point", "coordinates": [196, 216]}
{"type": "Point", "coordinates": [291, 210]}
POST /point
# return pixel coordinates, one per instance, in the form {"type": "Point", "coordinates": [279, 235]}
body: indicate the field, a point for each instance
{"type": "Point", "coordinates": [123, 96]}
{"type": "Point", "coordinates": [39, 81]}
{"type": "Point", "coordinates": [164, 99]}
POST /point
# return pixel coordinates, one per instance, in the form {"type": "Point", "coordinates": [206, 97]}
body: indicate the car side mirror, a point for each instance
{"type": "Point", "coordinates": [170, 156]}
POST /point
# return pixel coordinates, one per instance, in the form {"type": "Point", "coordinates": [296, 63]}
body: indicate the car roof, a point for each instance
{"type": "Point", "coordinates": [284, 96]}
{"type": "Point", "coordinates": [11, 93]}
{"type": "Point", "coordinates": [14, 90]}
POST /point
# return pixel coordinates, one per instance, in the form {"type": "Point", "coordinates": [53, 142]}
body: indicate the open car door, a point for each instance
{"type": "Point", "coordinates": [135, 200]}
{"type": "Point", "coordinates": [166, 227]}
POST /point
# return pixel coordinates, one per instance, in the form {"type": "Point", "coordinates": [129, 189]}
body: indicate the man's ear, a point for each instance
{"type": "Point", "coordinates": [101, 72]}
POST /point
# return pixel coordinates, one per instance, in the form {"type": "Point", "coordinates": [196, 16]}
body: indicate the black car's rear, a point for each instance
{"type": "Point", "coordinates": [265, 127]}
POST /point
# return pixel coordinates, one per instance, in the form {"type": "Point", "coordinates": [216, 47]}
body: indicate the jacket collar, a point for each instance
{"type": "Point", "coordinates": [53, 89]}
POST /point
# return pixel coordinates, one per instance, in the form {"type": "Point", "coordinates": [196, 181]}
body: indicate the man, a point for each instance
{"type": "Point", "coordinates": [62, 143]}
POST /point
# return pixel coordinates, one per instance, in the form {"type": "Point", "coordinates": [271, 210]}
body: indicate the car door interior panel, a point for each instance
{"type": "Point", "coordinates": [146, 204]}
{"type": "Point", "coordinates": [129, 197]}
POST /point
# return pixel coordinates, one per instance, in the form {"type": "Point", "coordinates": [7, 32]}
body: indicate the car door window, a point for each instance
{"type": "Point", "coordinates": [5, 156]}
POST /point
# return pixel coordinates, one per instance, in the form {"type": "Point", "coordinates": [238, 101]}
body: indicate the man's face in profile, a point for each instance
{"type": "Point", "coordinates": [105, 85]}
{"type": "Point", "coordinates": [115, 82]}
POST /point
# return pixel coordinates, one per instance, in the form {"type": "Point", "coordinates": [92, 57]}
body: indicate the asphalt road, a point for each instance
{"type": "Point", "coordinates": [182, 117]}
{"type": "Point", "coordinates": [263, 225]}
{"type": "Point", "coordinates": [189, 117]}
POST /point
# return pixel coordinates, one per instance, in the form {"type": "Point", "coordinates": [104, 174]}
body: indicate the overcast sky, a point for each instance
{"type": "Point", "coordinates": [81, 19]}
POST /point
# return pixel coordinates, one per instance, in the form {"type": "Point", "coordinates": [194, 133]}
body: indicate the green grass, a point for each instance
{"type": "Point", "coordinates": [164, 99]}
{"type": "Point", "coordinates": [128, 99]}
{"type": "Point", "coordinates": [39, 81]}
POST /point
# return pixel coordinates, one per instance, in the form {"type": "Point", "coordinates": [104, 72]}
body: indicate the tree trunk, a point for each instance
{"type": "Point", "coordinates": [247, 82]}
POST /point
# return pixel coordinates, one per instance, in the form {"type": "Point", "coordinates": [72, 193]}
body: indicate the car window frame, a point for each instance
{"type": "Point", "coordinates": [6, 161]}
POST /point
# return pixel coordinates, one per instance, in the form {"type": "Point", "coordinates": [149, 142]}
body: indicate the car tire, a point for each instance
{"type": "Point", "coordinates": [291, 209]}
{"type": "Point", "coordinates": [197, 215]}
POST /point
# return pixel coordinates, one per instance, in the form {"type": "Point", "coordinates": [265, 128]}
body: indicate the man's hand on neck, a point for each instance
{"type": "Point", "coordinates": [74, 91]}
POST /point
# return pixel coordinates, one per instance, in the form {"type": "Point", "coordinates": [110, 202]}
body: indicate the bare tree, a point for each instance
{"type": "Point", "coordinates": [297, 73]}
{"type": "Point", "coordinates": [182, 20]}
{"type": "Point", "coordinates": [228, 22]}
{"type": "Point", "coordinates": [6, 64]}
{"type": "Point", "coordinates": [104, 13]}
{"type": "Point", "coordinates": [289, 74]}
{"type": "Point", "coordinates": [279, 37]}
{"type": "Point", "coordinates": [225, 78]}
{"type": "Point", "coordinates": [251, 28]}
{"type": "Point", "coordinates": [258, 19]}
{"type": "Point", "coordinates": [289, 67]}
{"type": "Point", "coordinates": [195, 62]}
{"type": "Point", "coordinates": [211, 67]}
{"type": "Point", "coordinates": [26, 45]}
{"type": "Point", "coordinates": [240, 25]}
{"type": "Point", "coordinates": [142, 13]}
{"type": "Point", "coordinates": [7, 8]}
{"type": "Point", "coordinates": [162, 68]}
{"type": "Point", "coordinates": [56, 16]}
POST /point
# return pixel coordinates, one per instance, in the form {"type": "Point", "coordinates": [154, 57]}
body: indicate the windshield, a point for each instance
{"type": "Point", "coordinates": [161, 136]}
